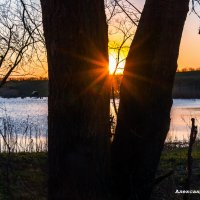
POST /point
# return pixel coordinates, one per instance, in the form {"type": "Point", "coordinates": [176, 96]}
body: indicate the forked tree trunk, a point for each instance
{"type": "Point", "coordinates": [77, 43]}
{"type": "Point", "coordinates": [146, 98]}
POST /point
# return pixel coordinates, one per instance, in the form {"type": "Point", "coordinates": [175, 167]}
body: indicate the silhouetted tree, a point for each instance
{"type": "Point", "coordinates": [146, 98]}
{"type": "Point", "coordinates": [77, 43]}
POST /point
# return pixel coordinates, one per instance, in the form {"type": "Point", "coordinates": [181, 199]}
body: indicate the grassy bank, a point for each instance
{"type": "Point", "coordinates": [24, 88]}
{"type": "Point", "coordinates": [23, 176]}
{"type": "Point", "coordinates": [176, 160]}
{"type": "Point", "coordinates": [187, 85]}
{"type": "Point", "coordinates": [27, 177]}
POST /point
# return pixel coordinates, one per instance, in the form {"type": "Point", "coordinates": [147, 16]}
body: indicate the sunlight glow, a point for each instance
{"type": "Point", "coordinates": [113, 64]}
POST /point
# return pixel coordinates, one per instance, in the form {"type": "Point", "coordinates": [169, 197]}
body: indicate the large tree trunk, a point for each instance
{"type": "Point", "coordinates": [146, 98]}
{"type": "Point", "coordinates": [77, 43]}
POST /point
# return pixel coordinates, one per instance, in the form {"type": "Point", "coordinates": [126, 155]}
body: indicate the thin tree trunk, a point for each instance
{"type": "Point", "coordinates": [77, 42]}
{"type": "Point", "coordinates": [146, 98]}
{"type": "Point", "coordinates": [193, 135]}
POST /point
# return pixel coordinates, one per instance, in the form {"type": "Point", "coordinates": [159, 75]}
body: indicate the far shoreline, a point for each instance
{"type": "Point", "coordinates": [186, 86]}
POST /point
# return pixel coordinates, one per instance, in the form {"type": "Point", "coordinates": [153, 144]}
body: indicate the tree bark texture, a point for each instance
{"type": "Point", "coordinates": [77, 43]}
{"type": "Point", "coordinates": [146, 98]}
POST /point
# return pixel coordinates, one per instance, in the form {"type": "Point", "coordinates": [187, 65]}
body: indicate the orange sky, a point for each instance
{"type": "Point", "coordinates": [189, 54]}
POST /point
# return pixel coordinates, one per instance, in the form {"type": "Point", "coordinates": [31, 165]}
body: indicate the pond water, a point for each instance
{"type": "Point", "coordinates": [27, 118]}
{"type": "Point", "coordinates": [23, 124]}
{"type": "Point", "coordinates": [181, 113]}
{"type": "Point", "coordinates": [28, 110]}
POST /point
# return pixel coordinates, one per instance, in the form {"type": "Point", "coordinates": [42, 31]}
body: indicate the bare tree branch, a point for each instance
{"type": "Point", "coordinates": [21, 37]}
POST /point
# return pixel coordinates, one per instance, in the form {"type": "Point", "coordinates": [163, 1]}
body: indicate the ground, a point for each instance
{"type": "Point", "coordinates": [23, 176]}
{"type": "Point", "coordinates": [176, 159]}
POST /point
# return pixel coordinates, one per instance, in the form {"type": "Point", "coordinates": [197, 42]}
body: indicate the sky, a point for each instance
{"type": "Point", "coordinates": [189, 56]}
{"type": "Point", "coordinates": [189, 53]}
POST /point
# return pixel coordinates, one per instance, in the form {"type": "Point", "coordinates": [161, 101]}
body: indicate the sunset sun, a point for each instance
{"type": "Point", "coordinates": [113, 64]}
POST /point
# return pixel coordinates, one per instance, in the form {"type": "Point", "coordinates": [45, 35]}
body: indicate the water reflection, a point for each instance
{"type": "Point", "coordinates": [23, 122]}
{"type": "Point", "coordinates": [182, 112]}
